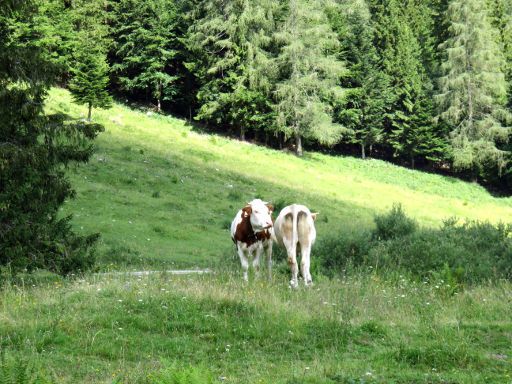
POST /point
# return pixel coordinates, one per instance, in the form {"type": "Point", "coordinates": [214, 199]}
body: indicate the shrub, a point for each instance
{"type": "Point", "coordinates": [455, 253]}
{"type": "Point", "coordinates": [465, 253]}
{"type": "Point", "coordinates": [342, 251]}
{"type": "Point", "coordinates": [393, 224]}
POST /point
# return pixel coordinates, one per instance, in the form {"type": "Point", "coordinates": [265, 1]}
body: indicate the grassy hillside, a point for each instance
{"type": "Point", "coordinates": [161, 193]}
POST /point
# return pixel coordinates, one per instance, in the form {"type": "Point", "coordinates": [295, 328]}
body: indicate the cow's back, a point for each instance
{"type": "Point", "coordinates": [284, 226]}
{"type": "Point", "coordinates": [306, 232]}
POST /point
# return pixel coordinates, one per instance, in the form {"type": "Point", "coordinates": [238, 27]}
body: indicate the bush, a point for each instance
{"type": "Point", "coordinates": [470, 252]}
{"type": "Point", "coordinates": [393, 224]}
{"type": "Point", "coordinates": [343, 251]}
{"type": "Point", "coordinates": [456, 253]}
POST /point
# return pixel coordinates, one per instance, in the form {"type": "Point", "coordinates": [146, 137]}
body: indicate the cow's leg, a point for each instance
{"type": "Point", "coordinates": [268, 254]}
{"type": "Point", "coordinates": [244, 261]}
{"type": "Point", "coordinates": [305, 253]}
{"type": "Point", "coordinates": [291, 249]}
{"type": "Point", "coordinates": [256, 262]}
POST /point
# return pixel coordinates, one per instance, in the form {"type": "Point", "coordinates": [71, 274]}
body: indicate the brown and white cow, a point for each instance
{"type": "Point", "coordinates": [294, 226]}
{"type": "Point", "coordinates": [251, 233]}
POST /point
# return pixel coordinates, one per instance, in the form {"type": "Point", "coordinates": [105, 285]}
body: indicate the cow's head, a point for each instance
{"type": "Point", "coordinates": [260, 213]}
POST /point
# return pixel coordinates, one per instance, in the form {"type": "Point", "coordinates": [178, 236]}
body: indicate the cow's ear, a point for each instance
{"type": "Point", "coordinates": [246, 211]}
{"type": "Point", "coordinates": [314, 215]}
{"type": "Point", "coordinates": [270, 208]}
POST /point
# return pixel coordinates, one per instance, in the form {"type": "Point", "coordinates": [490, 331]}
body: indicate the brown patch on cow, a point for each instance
{"type": "Point", "coordinates": [246, 211]}
{"type": "Point", "coordinates": [270, 208]}
{"type": "Point", "coordinates": [314, 215]}
{"type": "Point", "coordinates": [244, 232]}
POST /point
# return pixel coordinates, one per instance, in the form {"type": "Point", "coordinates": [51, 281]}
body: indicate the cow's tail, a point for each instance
{"type": "Point", "coordinates": [295, 225]}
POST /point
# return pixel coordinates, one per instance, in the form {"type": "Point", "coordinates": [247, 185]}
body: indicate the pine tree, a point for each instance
{"type": "Point", "coordinates": [366, 85]}
{"type": "Point", "coordinates": [145, 47]}
{"type": "Point", "coordinates": [229, 41]}
{"type": "Point", "coordinates": [409, 126]}
{"type": "Point", "coordinates": [34, 150]}
{"type": "Point", "coordinates": [473, 88]}
{"type": "Point", "coordinates": [501, 19]}
{"type": "Point", "coordinates": [309, 75]}
{"type": "Point", "coordinates": [90, 79]}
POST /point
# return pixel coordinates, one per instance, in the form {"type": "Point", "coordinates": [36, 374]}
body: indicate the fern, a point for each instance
{"type": "Point", "coordinates": [19, 371]}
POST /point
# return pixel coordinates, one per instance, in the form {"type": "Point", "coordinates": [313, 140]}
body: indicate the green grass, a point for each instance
{"type": "Point", "coordinates": [162, 194]}
{"type": "Point", "coordinates": [356, 330]}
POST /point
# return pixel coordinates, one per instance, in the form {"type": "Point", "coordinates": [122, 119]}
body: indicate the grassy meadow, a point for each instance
{"type": "Point", "coordinates": [353, 330]}
{"type": "Point", "coordinates": [163, 195]}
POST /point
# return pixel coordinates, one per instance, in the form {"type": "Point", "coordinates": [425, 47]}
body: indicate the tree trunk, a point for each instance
{"type": "Point", "coordinates": [90, 112]}
{"type": "Point", "coordinates": [413, 163]}
{"type": "Point", "coordinates": [159, 98]}
{"type": "Point", "coordinates": [242, 133]}
{"type": "Point", "coordinates": [371, 149]}
{"type": "Point", "coordinates": [363, 154]}
{"type": "Point", "coordinates": [298, 145]}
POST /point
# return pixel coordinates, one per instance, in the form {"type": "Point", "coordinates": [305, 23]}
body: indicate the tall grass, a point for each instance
{"type": "Point", "coordinates": [355, 329]}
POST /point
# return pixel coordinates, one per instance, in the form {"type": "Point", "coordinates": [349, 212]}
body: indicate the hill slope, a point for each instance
{"type": "Point", "coordinates": [161, 193]}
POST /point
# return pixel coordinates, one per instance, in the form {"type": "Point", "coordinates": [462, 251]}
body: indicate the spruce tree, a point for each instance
{"type": "Point", "coordinates": [90, 79]}
{"type": "Point", "coordinates": [229, 41]}
{"type": "Point", "coordinates": [501, 19]}
{"type": "Point", "coordinates": [34, 150]}
{"type": "Point", "coordinates": [145, 47]}
{"type": "Point", "coordinates": [309, 73]}
{"type": "Point", "coordinates": [409, 127]}
{"type": "Point", "coordinates": [367, 90]}
{"type": "Point", "coordinates": [473, 88]}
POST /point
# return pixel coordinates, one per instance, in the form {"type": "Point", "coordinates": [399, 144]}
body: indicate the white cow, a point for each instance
{"type": "Point", "coordinates": [295, 226]}
{"type": "Point", "coordinates": [251, 233]}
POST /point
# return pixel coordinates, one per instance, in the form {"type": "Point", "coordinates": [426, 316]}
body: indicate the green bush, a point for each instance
{"type": "Point", "coordinates": [393, 224]}
{"type": "Point", "coordinates": [470, 252]}
{"type": "Point", "coordinates": [342, 251]}
{"type": "Point", "coordinates": [455, 253]}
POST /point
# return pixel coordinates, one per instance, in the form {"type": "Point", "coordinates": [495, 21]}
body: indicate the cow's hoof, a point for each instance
{"type": "Point", "coordinates": [294, 284]}
{"type": "Point", "coordinates": [308, 283]}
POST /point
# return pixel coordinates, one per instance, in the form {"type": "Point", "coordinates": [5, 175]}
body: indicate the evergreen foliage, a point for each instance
{"type": "Point", "coordinates": [34, 149]}
{"type": "Point", "coordinates": [367, 89]}
{"type": "Point", "coordinates": [228, 41]}
{"type": "Point", "coordinates": [423, 83]}
{"type": "Point", "coordinates": [145, 47]}
{"type": "Point", "coordinates": [473, 89]}
{"type": "Point", "coordinates": [90, 79]}
{"type": "Point", "coordinates": [309, 74]}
